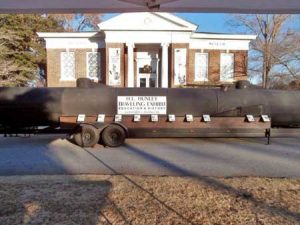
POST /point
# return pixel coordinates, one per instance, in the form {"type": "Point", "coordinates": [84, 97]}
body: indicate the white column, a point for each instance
{"type": "Point", "coordinates": [130, 64]}
{"type": "Point", "coordinates": [164, 66]}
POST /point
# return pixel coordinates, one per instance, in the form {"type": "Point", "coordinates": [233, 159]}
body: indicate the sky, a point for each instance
{"type": "Point", "coordinates": [208, 22]}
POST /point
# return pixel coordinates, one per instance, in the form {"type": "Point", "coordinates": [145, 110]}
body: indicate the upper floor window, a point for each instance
{"type": "Point", "coordinates": [93, 65]}
{"type": "Point", "coordinates": [201, 66]}
{"type": "Point", "coordinates": [67, 61]}
{"type": "Point", "coordinates": [227, 67]}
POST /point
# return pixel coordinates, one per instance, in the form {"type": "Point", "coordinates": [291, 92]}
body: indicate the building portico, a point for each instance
{"type": "Point", "coordinates": [147, 65]}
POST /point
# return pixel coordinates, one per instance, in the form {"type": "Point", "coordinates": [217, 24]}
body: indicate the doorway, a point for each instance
{"type": "Point", "coordinates": [147, 69]}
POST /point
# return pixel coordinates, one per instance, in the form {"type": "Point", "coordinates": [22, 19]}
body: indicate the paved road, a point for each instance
{"type": "Point", "coordinates": [51, 154]}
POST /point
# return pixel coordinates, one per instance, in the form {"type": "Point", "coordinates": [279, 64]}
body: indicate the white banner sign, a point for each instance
{"type": "Point", "coordinates": [114, 67]}
{"type": "Point", "coordinates": [142, 105]}
{"type": "Point", "coordinates": [180, 66]}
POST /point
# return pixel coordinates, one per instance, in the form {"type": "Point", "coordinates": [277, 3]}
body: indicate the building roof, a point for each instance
{"type": "Point", "coordinates": [147, 21]}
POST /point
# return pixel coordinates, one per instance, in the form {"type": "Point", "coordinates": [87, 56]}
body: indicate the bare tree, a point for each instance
{"type": "Point", "coordinates": [276, 52]}
{"type": "Point", "coordinates": [78, 22]}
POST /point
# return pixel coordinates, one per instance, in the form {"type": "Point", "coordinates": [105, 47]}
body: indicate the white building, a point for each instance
{"type": "Point", "coordinates": [146, 50]}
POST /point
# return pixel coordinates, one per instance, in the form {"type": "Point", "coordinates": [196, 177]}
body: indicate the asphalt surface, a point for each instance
{"type": "Point", "coordinates": [220, 157]}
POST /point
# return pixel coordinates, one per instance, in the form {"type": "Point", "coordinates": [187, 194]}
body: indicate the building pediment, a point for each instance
{"type": "Point", "coordinates": [147, 21]}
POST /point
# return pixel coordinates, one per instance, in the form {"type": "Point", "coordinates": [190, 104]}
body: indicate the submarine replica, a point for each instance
{"type": "Point", "coordinates": [35, 107]}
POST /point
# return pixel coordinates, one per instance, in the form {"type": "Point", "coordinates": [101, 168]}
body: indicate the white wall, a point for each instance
{"type": "Point", "coordinates": [65, 43]}
{"type": "Point", "coordinates": [218, 44]}
{"type": "Point", "coordinates": [83, 40]}
{"type": "Point", "coordinates": [147, 37]}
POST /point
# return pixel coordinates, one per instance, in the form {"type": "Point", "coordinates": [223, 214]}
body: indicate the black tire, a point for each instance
{"type": "Point", "coordinates": [86, 136]}
{"type": "Point", "coordinates": [113, 136]}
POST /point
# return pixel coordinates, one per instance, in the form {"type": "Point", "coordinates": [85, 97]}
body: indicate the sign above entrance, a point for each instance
{"type": "Point", "coordinates": [142, 105]}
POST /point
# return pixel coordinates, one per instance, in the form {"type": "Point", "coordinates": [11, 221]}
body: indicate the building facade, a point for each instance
{"type": "Point", "coordinates": [146, 50]}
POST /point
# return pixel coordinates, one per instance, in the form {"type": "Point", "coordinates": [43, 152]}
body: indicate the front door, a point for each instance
{"type": "Point", "coordinates": [147, 66]}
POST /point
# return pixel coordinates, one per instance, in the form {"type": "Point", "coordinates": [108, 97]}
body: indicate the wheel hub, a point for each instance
{"type": "Point", "coordinates": [87, 137]}
{"type": "Point", "coordinates": [114, 137]}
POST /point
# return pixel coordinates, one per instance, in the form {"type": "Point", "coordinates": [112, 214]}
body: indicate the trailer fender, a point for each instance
{"type": "Point", "coordinates": [78, 126]}
{"type": "Point", "coordinates": [101, 126]}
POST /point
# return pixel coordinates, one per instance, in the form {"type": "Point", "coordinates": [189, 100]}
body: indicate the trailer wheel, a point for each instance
{"type": "Point", "coordinates": [113, 136]}
{"type": "Point", "coordinates": [86, 136]}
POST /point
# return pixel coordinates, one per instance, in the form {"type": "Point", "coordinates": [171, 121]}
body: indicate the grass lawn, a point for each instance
{"type": "Point", "coordinates": [142, 200]}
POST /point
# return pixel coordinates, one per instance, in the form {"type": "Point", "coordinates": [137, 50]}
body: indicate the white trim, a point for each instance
{"type": "Point", "coordinates": [179, 20]}
{"type": "Point", "coordinates": [219, 44]}
{"type": "Point", "coordinates": [130, 64]}
{"type": "Point", "coordinates": [237, 42]}
{"type": "Point", "coordinates": [165, 65]}
{"type": "Point", "coordinates": [157, 21]}
{"type": "Point", "coordinates": [74, 43]}
{"type": "Point", "coordinates": [69, 34]}
{"type": "Point", "coordinates": [99, 77]}
{"type": "Point", "coordinates": [224, 36]}
{"type": "Point", "coordinates": [142, 37]}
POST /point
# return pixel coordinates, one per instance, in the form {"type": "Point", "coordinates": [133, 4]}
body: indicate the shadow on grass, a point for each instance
{"type": "Point", "coordinates": [141, 188]}
{"type": "Point", "coordinates": [54, 202]}
{"type": "Point", "coordinates": [212, 183]}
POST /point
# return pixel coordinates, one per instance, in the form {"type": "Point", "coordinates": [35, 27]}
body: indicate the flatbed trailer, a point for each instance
{"type": "Point", "coordinates": [224, 127]}
{"type": "Point", "coordinates": [181, 127]}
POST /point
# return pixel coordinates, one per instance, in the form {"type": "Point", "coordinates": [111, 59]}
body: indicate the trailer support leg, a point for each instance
{"type": "Point", "coordinates": [268, 135]}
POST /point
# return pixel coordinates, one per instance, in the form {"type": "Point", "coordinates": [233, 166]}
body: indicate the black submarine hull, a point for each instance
{"type": "Point", "coordinates": [22, 107]}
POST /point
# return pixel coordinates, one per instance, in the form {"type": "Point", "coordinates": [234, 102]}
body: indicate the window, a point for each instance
{"type": "Point", "coordinates": [93, 60]}
{"type": "Point", "coordinates": [201, 67]}
{"type": "Point", "coordinates": [227, 67]}
{"type": "Point", "coordinates": [67, 61]}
